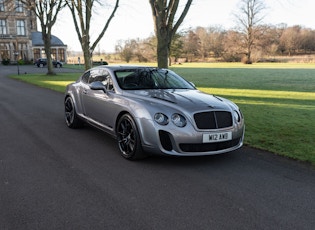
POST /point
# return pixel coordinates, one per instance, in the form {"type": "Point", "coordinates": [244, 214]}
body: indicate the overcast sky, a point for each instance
{"type": "Point", "coordinates": [134, 20]}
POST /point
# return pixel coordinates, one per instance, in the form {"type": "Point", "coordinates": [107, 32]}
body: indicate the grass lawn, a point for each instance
{"type": "Point", "coordinates": [277, 100]}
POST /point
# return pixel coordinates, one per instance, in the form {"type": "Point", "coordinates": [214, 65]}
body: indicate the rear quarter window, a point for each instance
{"type": "Point", "coordinates": [85, 77]}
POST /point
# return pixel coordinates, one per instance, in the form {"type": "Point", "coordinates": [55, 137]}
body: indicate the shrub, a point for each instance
{"type": "Point", "coordinates": [246, 61]}
{"type": "Point", "coordinates": [95, 63]}
{"type": "Point", "coordinates": [21, 62]}
{"type": "Point", "coordinates": [230, 57]}
{"type": "Point", "coordinates": [6, 61]}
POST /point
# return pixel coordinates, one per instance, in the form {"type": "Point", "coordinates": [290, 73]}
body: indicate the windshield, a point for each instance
{"type": "Point", "coordinates": [150, 78]}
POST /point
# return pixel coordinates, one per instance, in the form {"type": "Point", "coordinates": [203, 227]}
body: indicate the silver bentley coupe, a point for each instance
{"type": "Point", "coordinates": [153, 111]}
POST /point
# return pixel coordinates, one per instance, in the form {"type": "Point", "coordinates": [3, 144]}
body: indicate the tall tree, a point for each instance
{"type": "Point", "coordinates": [249, 16]}
{"type": "Point", "coordinates": [192, 46]}
{"type": "Point", "coordinates": [47, 12]}
{"type": "Point", "coordinates": [177, 46]}
{"type": "Point", "coordinates": [127, 50]}
{"type": "Point", "coordinates": [81, 11]}
{"type": "Point", "coordinates": [291, 39]}
{"type": "Point", "coordinates": [165, 26]}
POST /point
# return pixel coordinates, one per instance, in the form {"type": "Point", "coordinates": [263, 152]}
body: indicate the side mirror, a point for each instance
{"type": "Point", "coordinates": [97, 85]}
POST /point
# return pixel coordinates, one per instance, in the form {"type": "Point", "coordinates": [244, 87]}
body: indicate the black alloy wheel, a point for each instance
{"type": "Point", "coordinates": [128, 138]}
{"type": "Point", "coordinates": [71, 117]}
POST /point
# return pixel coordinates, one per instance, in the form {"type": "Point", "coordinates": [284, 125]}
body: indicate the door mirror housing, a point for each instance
{"type": "Point", "coordinates": [97, 85]}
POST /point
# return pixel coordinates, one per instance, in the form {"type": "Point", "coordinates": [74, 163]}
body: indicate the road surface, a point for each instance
{"type": "Point", "coordinates": [52, 177]}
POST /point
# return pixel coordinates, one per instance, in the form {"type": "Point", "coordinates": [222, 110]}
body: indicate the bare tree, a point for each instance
{"type": "Point", "coordinates": [308, 40]}
{"type": "Point", "coordinates": [204, 42]}
{"type": "Point", "coordinates": [127, 49]}
{"type": "Point", "coordinates": [291, 39]}
{"type": "Point", "coordinates": [249, 16]}
{"type": "Point", "coordinates": [81, 11]}
{"type": "Point", "coordinates": [165, 26]}
{"type": "Point", "coordinates": [232, 46]}
{"type": "Point", "coordinates": [216, 40]}
{"type": "Point", "coordinates": [47, 12]}
{"type": "Point", "coordinates": [192, 46]}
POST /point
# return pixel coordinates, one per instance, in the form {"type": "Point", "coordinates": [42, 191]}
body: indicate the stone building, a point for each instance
{"type": "Point", "coordinates": [19, 38]}
{"type": "Point", "coordinates": [58, 49]}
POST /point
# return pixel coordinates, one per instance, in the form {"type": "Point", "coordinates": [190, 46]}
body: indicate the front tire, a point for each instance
{"type": "Point", "coordinates": [129, 142]}
{"type": "Point", "coordinates": [71, 117]}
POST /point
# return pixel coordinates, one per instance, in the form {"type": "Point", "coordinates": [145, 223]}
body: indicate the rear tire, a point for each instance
{"type": "Point", "coordinates": [71, 117]}
{"type": "Point", "coordinates": [128, 138]}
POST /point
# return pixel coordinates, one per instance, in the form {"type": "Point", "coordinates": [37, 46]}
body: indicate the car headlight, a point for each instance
{"type": "Point", "coordinates": [179, 120]}
{"type": "Point", "coordinates": [161, 118]}
{"type": "Point", "coordinates": [237, 115]}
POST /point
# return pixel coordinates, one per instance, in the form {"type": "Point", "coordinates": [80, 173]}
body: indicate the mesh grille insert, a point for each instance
{"type": "Point", "coordinates": [213, 120]}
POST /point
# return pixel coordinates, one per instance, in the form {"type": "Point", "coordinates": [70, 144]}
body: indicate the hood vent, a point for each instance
{"type": "Point", "coordinates": [163, 99]}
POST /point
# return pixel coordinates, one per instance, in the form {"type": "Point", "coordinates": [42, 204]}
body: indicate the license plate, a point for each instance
{"type": "Point", "coordinates": [216, 137]}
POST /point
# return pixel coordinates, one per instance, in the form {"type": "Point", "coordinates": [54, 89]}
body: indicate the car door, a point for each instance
{"type": "Point", "coordinates": [99, 105]}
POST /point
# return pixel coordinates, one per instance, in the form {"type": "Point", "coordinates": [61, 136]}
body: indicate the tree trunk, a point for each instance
{"type": "Point", "coordinates": [47, 44]}
{"type": "Point", "coordinates": [81, 11]}
{"type": "Point", "coordinates": [249, 55]}
{"type": "Point", "coordinates": [163, 13]}
{"type": "Point", "coordinates": [162, 52]}
{"type": "Point", "coordinates": [87, 58]}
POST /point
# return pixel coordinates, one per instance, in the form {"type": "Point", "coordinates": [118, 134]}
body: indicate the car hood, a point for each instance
{"type": "Point", "coordinates": [184, 98]}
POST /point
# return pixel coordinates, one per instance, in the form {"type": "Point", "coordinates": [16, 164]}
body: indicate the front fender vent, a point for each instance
{"type": "Point", "coordinates": [165, 140]}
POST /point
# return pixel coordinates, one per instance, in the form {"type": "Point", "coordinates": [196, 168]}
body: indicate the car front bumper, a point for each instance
{"type": "Point", "coordinates": [188, 141]}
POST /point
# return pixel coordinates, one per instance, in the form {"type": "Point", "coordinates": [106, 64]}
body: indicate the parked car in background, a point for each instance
{"type": "Point", "coordinates": [41, 62]}
{"type": "Point", "coordinates": [151, 110]}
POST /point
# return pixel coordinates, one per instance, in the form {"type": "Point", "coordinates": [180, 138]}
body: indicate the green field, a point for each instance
{"type": "Point", "coordinates": [277, 100]}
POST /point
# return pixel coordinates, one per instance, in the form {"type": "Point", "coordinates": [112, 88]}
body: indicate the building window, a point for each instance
{"type": "Point", "coordinates": [36, 54]}
{"type": "Point", "coordinates": [19, 6]}
{"type": "Point", "coordinates": [20, 27]}
{"type": "Point", "coordinates": [3, 27]}
{"type": "Point", "coordinates": [61, 54]}
{"type": "Point", "coordinates": [53, 53]}
{"type": "Point", "coordinates": [4, 51]}
{"type": "Point", "coordinates": [1, 5]}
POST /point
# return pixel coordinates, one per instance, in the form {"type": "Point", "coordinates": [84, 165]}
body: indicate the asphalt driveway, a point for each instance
{"type": "Point", "coordinates": [52, 177]}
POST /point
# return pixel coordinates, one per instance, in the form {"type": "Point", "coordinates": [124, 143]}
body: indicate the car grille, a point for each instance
{"type": "Point", "coordinates": [213, 120]}
{"type": "Point", "coordinates": [209, 146]}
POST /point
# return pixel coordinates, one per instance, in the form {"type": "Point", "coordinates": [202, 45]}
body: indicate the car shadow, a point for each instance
{"type": "Point", "coordinates": [217, 160]}
{"type": "Point", "coordinates": [165, 160]}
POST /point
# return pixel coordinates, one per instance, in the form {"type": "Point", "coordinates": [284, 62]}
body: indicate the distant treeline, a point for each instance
{"type": "Point", "coordinates": [217, 44]}
{"type": "Point", "coordinates": [271, 44]}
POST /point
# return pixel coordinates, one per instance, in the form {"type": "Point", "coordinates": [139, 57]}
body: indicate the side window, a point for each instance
{"type": "Point", "coordinates": [85, 77]}
{"type": "Point", "coordinates": [103, 76]}
{"type": "Point", "coordinates": [110, 85]}
{"type": "Point", "coordinates": [97, 75]}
